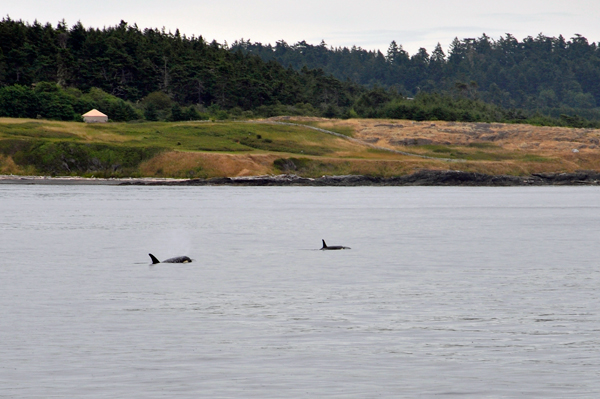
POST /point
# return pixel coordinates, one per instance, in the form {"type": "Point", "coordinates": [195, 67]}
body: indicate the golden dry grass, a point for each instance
{"type": "Point", "coordinates": [493, 148]}
{"type": "Point", "coordinates": [207, 165]}
{"type": "Point", "coordinates": [397, 133]}
{"type": "Point", "coordinates": [8, 167]}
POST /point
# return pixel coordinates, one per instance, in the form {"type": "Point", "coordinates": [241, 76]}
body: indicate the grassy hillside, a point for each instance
{"type": "Point", "coordinates": [212, 149]}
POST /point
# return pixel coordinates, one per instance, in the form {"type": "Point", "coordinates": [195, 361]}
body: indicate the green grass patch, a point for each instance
{"type": "Point", "coordinates": [184, 136]}
{"type": "Point", "coordinates": [494, 153]}
{"type": "Point", "coordinates": [484, 145]}
{"type": "Point", "coordinates": [227, 137]}
{"type": "Point", "coordinates": [487, 156]}
{"type": "Point", "coordinates": [438, 148]}
{"type": "Point", "coordinates": [32, 129]}
{"type": "Point", "coordinates": [282, 145]}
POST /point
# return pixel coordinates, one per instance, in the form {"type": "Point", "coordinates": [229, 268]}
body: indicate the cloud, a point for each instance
{"type": "Point", "coordinates": [411, 40]}
{"type": "Point", "coordinates": [529, 17]}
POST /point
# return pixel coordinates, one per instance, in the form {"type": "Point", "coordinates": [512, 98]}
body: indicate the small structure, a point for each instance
{"type": "Point", "coordinates": [94, 116]}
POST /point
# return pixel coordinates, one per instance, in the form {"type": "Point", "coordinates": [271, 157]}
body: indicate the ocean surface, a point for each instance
{"type": "Point", "coordinates": [445, 292]}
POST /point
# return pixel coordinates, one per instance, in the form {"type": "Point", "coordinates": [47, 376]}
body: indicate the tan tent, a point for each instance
{"type": "Point", "coordinates": [94, 116]}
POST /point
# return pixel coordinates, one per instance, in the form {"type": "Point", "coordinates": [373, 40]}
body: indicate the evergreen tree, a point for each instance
{"type": "Point", "coordinates": [151, 113]}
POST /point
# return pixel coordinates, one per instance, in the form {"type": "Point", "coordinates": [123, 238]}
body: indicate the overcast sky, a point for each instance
{"type": "Point", "coordinates": [369, 24]}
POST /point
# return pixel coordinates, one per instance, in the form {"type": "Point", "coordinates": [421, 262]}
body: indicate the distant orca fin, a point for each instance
{"type": "Point", "coordinates": [324, 245]}
{"type": "Point", "coordinates": [154, 260]}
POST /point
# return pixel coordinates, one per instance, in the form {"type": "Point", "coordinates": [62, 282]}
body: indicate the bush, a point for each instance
{"type": "Point", "coordinates": [191, 114]}
{"type": "Point", "coordinates": [18, 102]}
{"type": "Point", "coordinates": [151, 113]}
{"type": "Point", "coordinates": [64, 158]}
{"type": "Point", "coordinates": [287, 165]}
{"type": "Point", "coordinates": [55, 106]}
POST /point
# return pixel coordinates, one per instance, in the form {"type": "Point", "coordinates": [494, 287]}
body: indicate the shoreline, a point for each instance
{"type": "Point", "coordinates": [419, 178]}
{"type": "Point", "coordinates": [84, 181]}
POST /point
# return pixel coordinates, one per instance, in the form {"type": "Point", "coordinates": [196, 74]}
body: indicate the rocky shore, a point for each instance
{"type": "Point", "coordinates": [420, 178]}
{"type": "Point", "coordinates": [81, 181]}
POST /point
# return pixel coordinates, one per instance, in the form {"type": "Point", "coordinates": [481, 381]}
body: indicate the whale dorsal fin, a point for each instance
{"type": "Point", "coordinates": [154, 260]}
{"type": "Point", "coordinates": [324, 245]}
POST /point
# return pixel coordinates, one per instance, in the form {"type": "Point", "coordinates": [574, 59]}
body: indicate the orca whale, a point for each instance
{"type": "Point", "coordinates": [332, 248]}
{"type": "Point", "coordinates": [178, 259]}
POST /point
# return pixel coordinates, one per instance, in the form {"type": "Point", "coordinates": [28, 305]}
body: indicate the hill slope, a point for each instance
{"type": "Point", "coordinates": [305, 146]}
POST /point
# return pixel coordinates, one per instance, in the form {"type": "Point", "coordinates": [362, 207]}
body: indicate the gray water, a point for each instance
{"type": "Point", "coordinates": [465, 292]}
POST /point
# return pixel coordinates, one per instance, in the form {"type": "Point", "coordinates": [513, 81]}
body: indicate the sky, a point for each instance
{"type": "Point", "coordinates": [371, 25]}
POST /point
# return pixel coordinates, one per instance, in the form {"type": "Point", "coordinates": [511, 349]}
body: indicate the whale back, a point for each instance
{"type": "Point", "coordinates": [179, 259]}
{"type": "Point", "coordinates": [332, 248]}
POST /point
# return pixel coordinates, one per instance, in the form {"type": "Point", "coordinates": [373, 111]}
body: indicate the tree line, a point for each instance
{"type": "Point", "coordinates": [60, 72]}
{"type": "Point", "coordinates": [548, 74]}
{"type": "Point", "coordinates": [130, 64]}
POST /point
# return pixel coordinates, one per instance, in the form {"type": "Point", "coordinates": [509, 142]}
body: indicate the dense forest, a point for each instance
{"type": "Point", "coordinates": [131, 64]}
{"type": "Point", "coordinates": [540, 72]}
{"type": "Point", "coordinates": [60, 72]}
